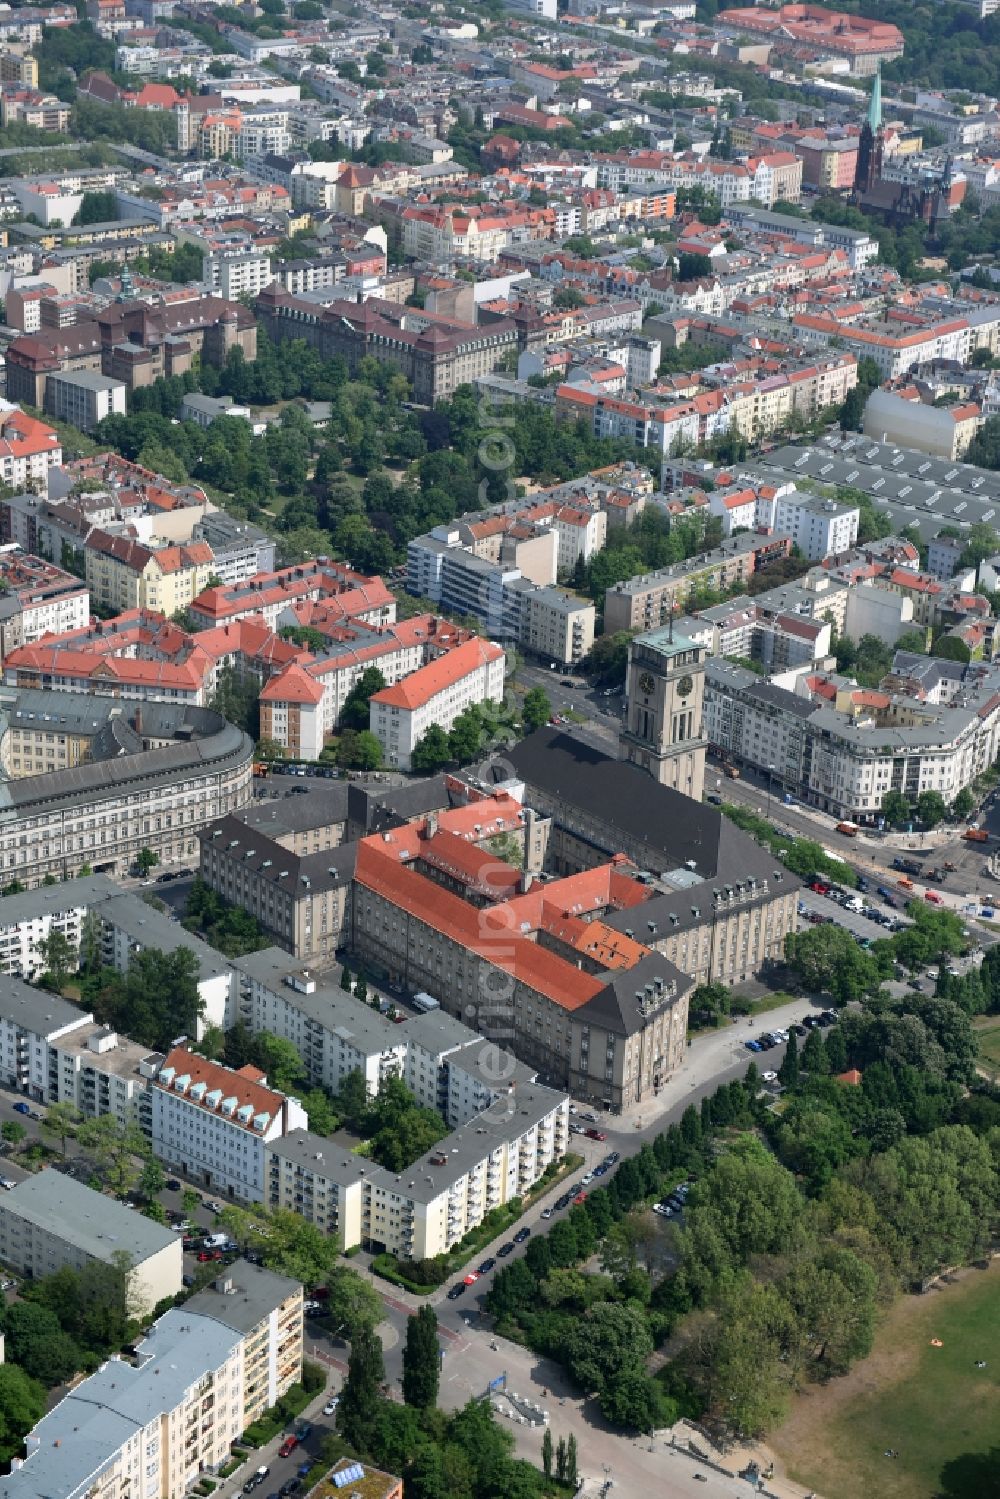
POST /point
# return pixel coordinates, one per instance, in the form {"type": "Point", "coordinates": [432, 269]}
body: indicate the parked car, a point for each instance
{"type": "Point", "coordinates": [21, 1108]}
{"type": "Point", "coordinates": [595, 1134]}
{"type": "Point", "coordinates": [521, 1235]}
{"type": "Point", "coordinates": [506, 1249]}
{"type": "Point", "coordinates": [457, 1291]}
{"type": "Point", "coordinates": [330, 1407]}
{"type": "Point", "coordinates": [547, 1213]}
{"type": "Point", "coordinates": [471, 1278]}
{"type": "Point", "coordinates": [172, 1184]}
{"type": "Point", "coordinates": [487, 1266]}
{"type": "Point", "coordinates": [291, 1487]}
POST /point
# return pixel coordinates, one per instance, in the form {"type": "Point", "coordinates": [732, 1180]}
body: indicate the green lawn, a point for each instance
{"type": "Point", "coordinates": [932, 1406]}
{"type": "Point", "coordinates": [988, 1035]}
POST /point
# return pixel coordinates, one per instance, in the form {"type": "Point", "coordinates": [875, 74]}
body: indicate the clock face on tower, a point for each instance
{"type": "Point", "coordinates": [684, 687]}
{"type": "Point", "coordinates": [646, 683]}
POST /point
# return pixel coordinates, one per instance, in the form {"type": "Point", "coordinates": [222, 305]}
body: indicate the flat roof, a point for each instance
{"type": "Point", "coordinates": [92, 1222]}
{"type": "Point", "coordinates": [242, 1296]}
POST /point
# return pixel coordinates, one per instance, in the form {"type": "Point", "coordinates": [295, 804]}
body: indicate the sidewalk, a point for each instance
{"type": "Point", "coordinates": [711, 1058]}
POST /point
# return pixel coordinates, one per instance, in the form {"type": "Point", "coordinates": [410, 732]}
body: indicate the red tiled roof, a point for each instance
{"type": "Point", "coordinates": [422, 685]}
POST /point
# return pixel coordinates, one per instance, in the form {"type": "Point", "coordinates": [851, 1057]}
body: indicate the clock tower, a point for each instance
{"type": "Point", "coordinates": [663, 715]}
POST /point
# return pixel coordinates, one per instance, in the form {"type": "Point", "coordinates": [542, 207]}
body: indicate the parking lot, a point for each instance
{"type": "Point", "coordinates": [858, 925]}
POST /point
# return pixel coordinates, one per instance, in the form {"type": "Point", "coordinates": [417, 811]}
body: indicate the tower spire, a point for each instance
{"type": "Point", "coordinates": [875, 104]}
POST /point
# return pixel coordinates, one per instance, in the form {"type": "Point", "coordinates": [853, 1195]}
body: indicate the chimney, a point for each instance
{"type": "Point", "coordinates": [526, 875]}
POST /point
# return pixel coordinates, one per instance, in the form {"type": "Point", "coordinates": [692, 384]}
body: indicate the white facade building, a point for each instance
{"type": "Point", "coordinates": [50, 1221]}
{"type": "Point", "coordinates": [214, 1124]}
{"type": "Point", "coordinates": [436, 694]}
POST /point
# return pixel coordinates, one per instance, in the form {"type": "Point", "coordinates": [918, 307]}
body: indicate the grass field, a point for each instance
{"type": "Point", "coordinates": [988, 1035]}
{"type": "Point", "coordinates": [930, 1405]}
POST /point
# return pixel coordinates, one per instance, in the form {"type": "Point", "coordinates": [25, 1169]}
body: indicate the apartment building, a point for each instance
{"type": "Point", "coordinates": [83, 398]}
{"type": "Point", "coordinates": [162, 1416]}
{"type": "Point", "coordinates": [213, 1123]}
{"type": "Point", "coordinates": [445, 1065]}
{"type": "Point", "coordinates": [841, 748]}
{"type": "Point", "coordinates": [50, 1221]}
{"type": "Point", "coordinates": [895, 350]}
{"type": "Point", "coordinates": [500, 1154]}
{"type": "Point", "coordinates": [649, 599]}
{"type": "Point", "coordinates": [38, 599]}
{"type": "Point", "coordinates": [550, 623]}
{"type": "Point", "coordinates": [351, 594]}
{"type": "Point", "coordinates": [129, 926]}
{"type": "Point", "coordinates": [436, 694]}
{"type": "Point", "coordinates": [124, 574]}
{"type": "Point", "coordinates": [511, 606]}
{"type": "Point", "coordinates": [29, 448]}
{"type": "Point", "coordinates": [265, 1309]}
{"type": "Point", "coordinates": [818, 527]}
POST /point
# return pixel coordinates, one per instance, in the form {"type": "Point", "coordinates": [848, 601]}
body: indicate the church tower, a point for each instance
{"type": "Point", "coordinates": [869, 165]}
{"type": "Point", "coordinates": [663, 730]}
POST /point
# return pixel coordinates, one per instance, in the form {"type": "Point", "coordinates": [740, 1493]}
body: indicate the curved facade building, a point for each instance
{"type": "Point", "coordinates": [194, 767]}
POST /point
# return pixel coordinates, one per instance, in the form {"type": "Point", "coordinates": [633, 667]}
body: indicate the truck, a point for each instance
{"type": "Point", "coordinates": [732, 772]}
{"type": "Point", "coordinates": [937, 875]}
{"type": "Point", "coordinates": [906, 866]}
{"type": "Point", "coordinates": [848, 829]}
{"type": "Point", "coordinates": [976, 835]}
{"type": "Point", "coordinates": [425, 1003]}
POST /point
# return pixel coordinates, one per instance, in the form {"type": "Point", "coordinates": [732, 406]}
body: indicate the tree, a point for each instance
{"type": "Point", "coordinates": [931, 808]}
{"type": "Point", "coordinates": [608, 1341]}
{"type": "Point", "coordinates": [281, 1061]}
{"type": "Point", "coordinates": [352, 1303]}
{"type": "Point", "coordinates": [146, 860]}
{"type": "Point", "coordinates": [355, 713]}
{"type": "Point", "coordinates": [13, 1131]}
{"type": "Point", "coordinates": [964, 804]}
{"type": "Point", "coordinates": [788, 1072]}
{"type": "Point", "coordinates": [59, 957]}
{"type": "Point", "coordinates": [356, 1413]}
{"type": "Point", "coordinates": [572, 1476]}
{"type": "Point", "coordinates": [828, 958]}
{"type": "Point", "coordinates": [896, 808]}
{"type": "Point", "coordinates": [152, 1180]}
{"type": "Point", "coordinates": [466, 735]}
{"type": "Point", "coordinates": [814, 1058]}
{"type": "Point", "coordinates": [433, 752]}
{"type": "Point", "coordinates": [709, 1003]}
{"type": "Point", "coordinates": [421, 1359]}
{"type": "Point", "coordinates": [61, 1122]}
{"type": "Point", "coordinates": [36, 1341]}
{"type": "Point", "coordinates": [22, 1404]}
{"type": "Point", "coordinates": [115, 1146]}
{"type": "Point", "coordinates": [536, 709]}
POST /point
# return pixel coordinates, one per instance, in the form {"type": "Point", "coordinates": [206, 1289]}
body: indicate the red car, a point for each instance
{"type": "Point", "coordinates": [819, 887]}
{"type": "Point", "coordinates": [595, 1134]}
{"type": "Point", "coordinates": [209, 1254]}
{"type": "Point", "coordinates": [933, 897]}
{"type": "Point", "coordinates": [580, 1197]}
{"type": "Point", "coordinates": [288, 1446]}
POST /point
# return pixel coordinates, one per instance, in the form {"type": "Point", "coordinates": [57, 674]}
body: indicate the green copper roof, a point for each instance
{"type": "Point", "coordinates": [875, 106]}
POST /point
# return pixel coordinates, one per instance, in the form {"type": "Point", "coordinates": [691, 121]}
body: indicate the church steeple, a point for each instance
{"type": "Point", "coordinates": [875, 104]}
{"type": "Point", "coordinates": [869, 164]}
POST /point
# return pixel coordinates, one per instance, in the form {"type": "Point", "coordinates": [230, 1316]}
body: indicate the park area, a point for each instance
{"type": "Point", "coordinates": [931, 1406]}
{"type": "Point", "coordinates": [987, 1029]}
